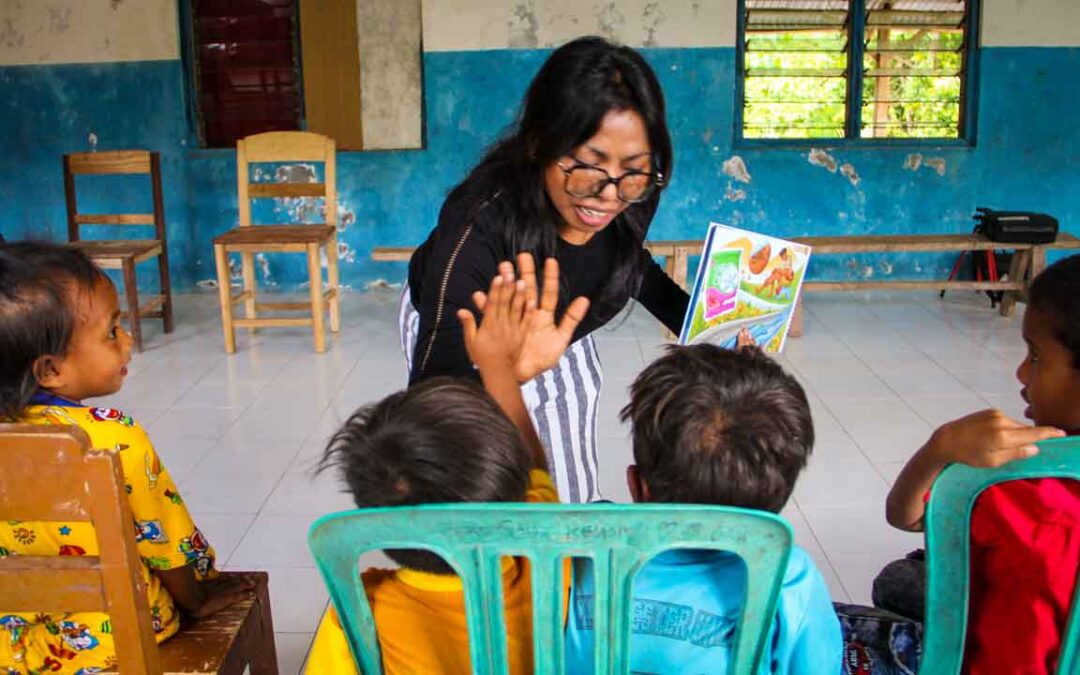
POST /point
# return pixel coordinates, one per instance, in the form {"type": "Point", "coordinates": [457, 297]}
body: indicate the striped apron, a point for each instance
{"type": "Point", "coordinates": [562, 403]}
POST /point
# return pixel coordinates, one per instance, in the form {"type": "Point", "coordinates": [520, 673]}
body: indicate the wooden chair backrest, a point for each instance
{"type": "Point", "coordinates": [114, 162]}
{"type": "Point", "coordinates": [286, 146]}
{"type": "Point", "coordinates": [50, 473]}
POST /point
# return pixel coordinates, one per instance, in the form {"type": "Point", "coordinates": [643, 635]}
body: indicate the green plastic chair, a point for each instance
{"type": "Point", "coordinates": [948, 544]}
{"type": "Point", "coordinates": [619, 538]}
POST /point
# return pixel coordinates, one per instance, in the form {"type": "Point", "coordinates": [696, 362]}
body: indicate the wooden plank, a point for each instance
{"type": "Point", "coordinates": [114, 218]}
{"type": "Point", "coordinates": [329, 42]}
{"type": "Point", "coordinates": [928, 284]}
{"type": "Point", "coordinates": [283, 306]}
{"type": "Point", "coordinates": [392, 253]}
{"type": "Point", "coordinates": [112, 162]}
{"type": "Point", "coordinates": [266, 190]}
{"type": "Point", "coordinates": [906, 242]}
{"type": "Point", "coordinates": [272, 321]}
{"type": "Point", "coordinates": [75, 581]}
{"type": "Point", "coordinates": [1064, 241]}
{"type": "Point", "coordinates": [267, 236]}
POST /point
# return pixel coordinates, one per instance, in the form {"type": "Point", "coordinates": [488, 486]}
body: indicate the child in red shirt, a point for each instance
{"type": "Point", "coordinates": [1024, 534]}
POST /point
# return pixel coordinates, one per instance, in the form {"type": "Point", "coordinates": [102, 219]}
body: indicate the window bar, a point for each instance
{"type": "Point", "coordinates": [856, 45]}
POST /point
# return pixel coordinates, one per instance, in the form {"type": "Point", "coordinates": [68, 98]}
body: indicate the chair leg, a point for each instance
{"type": "Point", "coordinates": [166, 292]}
{"type": "Point", "coordinates": [221, 262]}
{"type": "Point", "coordinates": [131, 292]}
{"type": "Point", "coordinates": [334, 281]}
{"type": "Point", "coordinates": [247, 264]}
{"type": "Point", "coordinates": [318, 309]}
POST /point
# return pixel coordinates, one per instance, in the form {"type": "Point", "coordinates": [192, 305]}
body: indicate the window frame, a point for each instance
{"type": "Point", "coordinates": [969, 90]}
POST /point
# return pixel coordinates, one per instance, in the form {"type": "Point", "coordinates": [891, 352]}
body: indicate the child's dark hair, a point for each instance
{"type": "Point", "coordinates": [713, 426]}
{"type": "Point", "coordinates": [1056, 294]}
{"type": "Point", "coordinates": [443, 440]}
{"type": "Point", "coordinates": [36, 316]}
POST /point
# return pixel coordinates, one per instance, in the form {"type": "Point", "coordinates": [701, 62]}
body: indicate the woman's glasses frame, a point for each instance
{"type": "Point", "coordinates": [655, 180]}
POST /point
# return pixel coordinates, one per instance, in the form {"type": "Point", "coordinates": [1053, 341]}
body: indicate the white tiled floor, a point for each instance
{"type": "Point", "coordinates": [241, 433]}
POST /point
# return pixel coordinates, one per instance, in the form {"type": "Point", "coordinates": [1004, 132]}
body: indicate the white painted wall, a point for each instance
{"type": "Point", "coordinates": [87, 31]}
{"type": "Point", "coordinates": [1034, 23]}
{"type": "Point", "coordinates": [463, 25]}
{"type": "Point", "coordinates": [390, 73]}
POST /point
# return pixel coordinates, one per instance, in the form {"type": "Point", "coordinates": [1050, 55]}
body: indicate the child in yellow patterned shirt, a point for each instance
{"type": "Point", "coordinates": [62, 343]}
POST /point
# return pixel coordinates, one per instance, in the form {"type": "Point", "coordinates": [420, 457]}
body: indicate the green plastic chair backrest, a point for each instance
{"type": "Point", "coordinates": [948, 544]}
{"type": "Point", "coordinates": [619, 538]}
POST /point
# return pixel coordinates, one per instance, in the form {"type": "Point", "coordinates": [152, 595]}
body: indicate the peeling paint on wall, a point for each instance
{"type": "Point", "coordinates": [735, 167]}
{"type": "Point", "coordinates": [609, 20]}
{"type": "Point", "coordinates": [849, 172]}
{"type": "Point", "coordinates": [733, 195]}
{"type": "Point", "coordinates": [522, 27]}
{"type": "Point", "coordinates": [915, 161]}
{"type": "Point", "coordinates": [936, 163]}
{"type": "Point", "coordinates": [819, 157]}
{"type": "Point", "coordinates": [263, 263]}
{"type": "Point", "coordinates": [651, 17]}
{"type": "Point", "coordinates": [207, 284]}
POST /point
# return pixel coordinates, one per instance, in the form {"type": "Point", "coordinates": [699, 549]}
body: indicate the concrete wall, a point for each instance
{"type": "Point", "coordinates": [473, 79]}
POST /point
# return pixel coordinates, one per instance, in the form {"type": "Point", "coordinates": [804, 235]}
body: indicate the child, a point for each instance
{"type": "Point", "coordinates": [61, 343]}
{"type": "Point", "coordinates": [447, 440]}
{"type": "Point", "coordinates": [1024, 550]}
{"type": "Point", "coordinates": [712, 426]}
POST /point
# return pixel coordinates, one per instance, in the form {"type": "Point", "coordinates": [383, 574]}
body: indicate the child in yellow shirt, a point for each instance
{"type": "Point", "coordinates": [61, 343]}
{"type": "Point", "coordinates": [448, 440]}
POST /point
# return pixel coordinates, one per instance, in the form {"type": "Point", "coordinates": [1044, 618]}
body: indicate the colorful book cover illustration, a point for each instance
{"type": "Point", "coordinates": [744, 280]}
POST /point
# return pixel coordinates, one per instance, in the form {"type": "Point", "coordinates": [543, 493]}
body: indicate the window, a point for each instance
{"type": "Point", "coordinates": [246, 68]}
{"type": "Point", "coordinates": [851, 69]}
{"type": "Point", "coordinates": [245, 74]}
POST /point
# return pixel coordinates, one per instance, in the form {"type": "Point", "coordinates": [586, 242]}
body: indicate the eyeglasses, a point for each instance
{"type": "Point", "coordinates": [585, 180]}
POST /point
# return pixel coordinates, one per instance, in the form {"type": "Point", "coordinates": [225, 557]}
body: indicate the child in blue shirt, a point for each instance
{"type": "Point", "coordinates": [712, 426]}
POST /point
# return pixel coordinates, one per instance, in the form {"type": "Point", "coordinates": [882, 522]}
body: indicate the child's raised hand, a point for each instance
{"type": "Point", "coordinates": [545, 341]}
{"type": "Point", "coordinates": [497, 341]}
{"type": "Point", "coordinates": [989, 438]}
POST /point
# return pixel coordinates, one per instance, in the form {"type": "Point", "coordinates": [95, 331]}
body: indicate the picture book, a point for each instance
{"type": "Point", "coordinates": [744, 280]}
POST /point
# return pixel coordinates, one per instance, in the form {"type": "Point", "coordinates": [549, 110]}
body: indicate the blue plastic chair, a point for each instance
{"type": "Point", "coordinates": [948, 544]}
{"type": "Point", "coordinates": [619, 538]}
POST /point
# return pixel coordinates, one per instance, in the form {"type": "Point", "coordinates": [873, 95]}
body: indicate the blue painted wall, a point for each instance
{"type": "Point", "coordinates": [1024, 158]}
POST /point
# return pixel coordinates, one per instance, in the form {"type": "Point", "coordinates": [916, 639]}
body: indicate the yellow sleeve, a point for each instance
{"type": "Point", "coordinates": [541, 488]}
{"type": "Point", "coordinates": [165, 534]}
{"type": "Point", "coordinates": [330, 650]}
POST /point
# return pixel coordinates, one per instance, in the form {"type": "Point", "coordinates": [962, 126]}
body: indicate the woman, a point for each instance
{"type": "Point", "coordinates": [578, 179]}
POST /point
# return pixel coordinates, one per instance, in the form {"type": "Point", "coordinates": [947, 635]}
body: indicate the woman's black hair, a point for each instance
{"type": "Point", "coordinates": [36, 315]}
{"type": "Point", "coordinates": [576, 87]}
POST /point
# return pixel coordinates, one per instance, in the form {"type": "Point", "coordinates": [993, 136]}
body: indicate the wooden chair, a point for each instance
{"type": "Point", "coordinates": [948, 554]}
{"type": "Point", "coordinates": [619, 538]}
{"type": "Point", "coordinates": [50, 473]}
{"type": "Point", "coordinates": [247, 239]}
{"type": "Point", "coordinates": [124, 254]}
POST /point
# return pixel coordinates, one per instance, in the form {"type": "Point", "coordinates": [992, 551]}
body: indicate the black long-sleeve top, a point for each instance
{"type": "Point", "coordinates": [461, 256]}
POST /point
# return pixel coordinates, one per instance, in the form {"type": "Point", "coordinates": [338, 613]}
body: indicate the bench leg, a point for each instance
{"type": "Point", "coordinates": [221, 261]}
{"type": "Point", "coordinates": [264, 657]}
{"type": "Point", "coordinates": [131, 292]}
{"type": "Point", "coordinates": [796, 329]}
{"type": "Point", "coordinates": [1018, 270]}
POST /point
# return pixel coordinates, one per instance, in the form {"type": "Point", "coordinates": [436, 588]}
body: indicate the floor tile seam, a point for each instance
{"type": "Point", "coordinates": [845, 428]}
{"type": "Point", "coordinates": [823, 549]}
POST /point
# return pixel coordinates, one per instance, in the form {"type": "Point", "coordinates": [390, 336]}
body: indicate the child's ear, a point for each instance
{"type": "Point", "coordinates": [639, 489]}
{"type": "Point", "coordinates": [47, 371]}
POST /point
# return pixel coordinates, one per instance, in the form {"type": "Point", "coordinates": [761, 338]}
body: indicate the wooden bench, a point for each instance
{"type": "Point", "coordinates": [1028, 260]}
